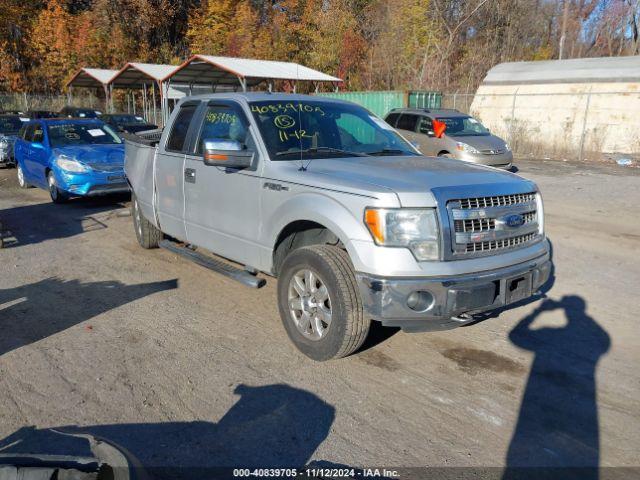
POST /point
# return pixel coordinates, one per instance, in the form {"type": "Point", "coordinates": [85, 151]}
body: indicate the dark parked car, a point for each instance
{"type": "Point", "coordinates": [10, 125]}
{"type": "Point", "coordinates": [76, 112]}
{"type": "Point", "coordinates": [36, 114]}
{"type": "Point", "coordinates": [125, 122]}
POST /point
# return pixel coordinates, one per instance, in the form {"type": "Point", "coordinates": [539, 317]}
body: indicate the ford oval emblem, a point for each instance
{"type": "Point", "coordinates": [513, 220]}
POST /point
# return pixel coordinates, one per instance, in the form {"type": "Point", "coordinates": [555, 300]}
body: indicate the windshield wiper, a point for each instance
{"type": "Point", "coordinates": [391, 151]}
{"type": "Point", "coordinates": [322, 149]}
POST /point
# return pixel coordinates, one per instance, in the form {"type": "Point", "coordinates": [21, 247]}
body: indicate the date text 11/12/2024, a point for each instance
{"type": "Point", "coordinates": [316, 472]}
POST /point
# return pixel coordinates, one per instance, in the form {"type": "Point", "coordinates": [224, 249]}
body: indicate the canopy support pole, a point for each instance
{"type": "Point", "coordinates": [243, 83]}
{"type": "Point", "coordinates": [145, 107]}
{"type": "Point", "coordinates": [153, 96]}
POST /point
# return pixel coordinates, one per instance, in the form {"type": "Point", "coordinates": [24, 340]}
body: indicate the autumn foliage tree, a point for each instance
{"type": "Point", "coordinates": [371, 44]}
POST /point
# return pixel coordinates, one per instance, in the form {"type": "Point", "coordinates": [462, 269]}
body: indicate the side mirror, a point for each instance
{"type": "Point", "coordinates": [226, 153]}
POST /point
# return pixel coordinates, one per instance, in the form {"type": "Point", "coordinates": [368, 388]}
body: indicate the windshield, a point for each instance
{"type": "Point", "coordinates": [67, 134]}
{"type": "Point", "coordinates": [463, 127]}
{"type": "Point", "coordinates": [10, 125]}
{"type": "Point", "coordinates": [317, 129]}
{"type": "Point", "coordinates": [126, 119]}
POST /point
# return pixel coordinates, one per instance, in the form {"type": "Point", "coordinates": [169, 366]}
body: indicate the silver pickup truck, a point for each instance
{"type": "Point", "coordinates": [354, 222]}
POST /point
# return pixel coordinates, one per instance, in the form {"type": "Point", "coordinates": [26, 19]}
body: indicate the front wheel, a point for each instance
{"type": "Point", "coordinates": [147, 234]}
{"type": "Point", "coordinates": [57, 195]}
{"type": "Point", "coordinates": [320, 303]}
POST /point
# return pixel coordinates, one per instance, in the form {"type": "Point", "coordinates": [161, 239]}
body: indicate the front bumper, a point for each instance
{"type": "Point", "coordinates": [385, 299]}
{"type": "Point", "coordinates": [92, 183]}
{"type": "Point", "coordinates": [503, 160]}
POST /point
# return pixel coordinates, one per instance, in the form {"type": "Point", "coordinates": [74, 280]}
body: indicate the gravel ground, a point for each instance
{"type": "Point", "coordinates": [185, 368]}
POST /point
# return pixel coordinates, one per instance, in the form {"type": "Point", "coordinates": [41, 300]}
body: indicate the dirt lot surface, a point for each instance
{"type": "Point", "coordinates": [186, 368]}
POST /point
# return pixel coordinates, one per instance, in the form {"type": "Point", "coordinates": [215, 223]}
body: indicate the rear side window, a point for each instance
{"type": "Point", "coordinates": [178, 136]}
{"type": "Point", "coordinates": [392, 118]}
{"type": "Point", "coordinates": [407, 122]}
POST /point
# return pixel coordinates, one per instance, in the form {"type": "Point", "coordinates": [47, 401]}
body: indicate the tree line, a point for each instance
{"type": "Point", "coordinates": [372, 44]}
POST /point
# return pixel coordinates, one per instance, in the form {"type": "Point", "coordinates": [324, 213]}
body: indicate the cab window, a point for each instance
{"type": "Point", "coordinates": [178, 136]}
{"type": "Point", "coordinates": [38, 134]}
{"type": "Point", "coordinates": [407, 122]}
{"type": "Point", "coordinates": [222, 122]}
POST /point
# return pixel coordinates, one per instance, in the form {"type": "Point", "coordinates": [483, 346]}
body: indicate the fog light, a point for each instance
{"type": "Point", "coordinates": [420, 301]}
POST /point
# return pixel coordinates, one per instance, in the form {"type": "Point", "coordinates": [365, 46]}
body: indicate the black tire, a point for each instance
{"type": "Point", "coordinates": [57, 195]}
{"type": "Point", "coordinates": [147, 234]}
{"type": "Point", "coordinates": [22, 183]}
{"type": "Point", "coordinates": [349, 326]}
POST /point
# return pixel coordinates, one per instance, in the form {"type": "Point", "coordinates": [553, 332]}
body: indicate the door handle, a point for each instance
{"type": "Point", "coordinates": [190, 175]}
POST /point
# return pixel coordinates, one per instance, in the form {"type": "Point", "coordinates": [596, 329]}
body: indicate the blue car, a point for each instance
{"type": "Point", "coordinates": [70, 157]}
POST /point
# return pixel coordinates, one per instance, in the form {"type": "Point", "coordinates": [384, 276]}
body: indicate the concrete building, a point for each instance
{"type": "Point", "coordinates": [577, 106]}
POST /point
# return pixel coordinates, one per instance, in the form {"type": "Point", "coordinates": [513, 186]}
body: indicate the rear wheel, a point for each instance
{"type": "Point", "coordinates": [320, 304]}
{"type": "Point", "coordinates": [147, 234]}
{"type": "Point", "coordinates": [445, 155]}
{"type": "Point", "coordinates": [57, 195]}
{"type": "Point", "coordinates": [22, 183]}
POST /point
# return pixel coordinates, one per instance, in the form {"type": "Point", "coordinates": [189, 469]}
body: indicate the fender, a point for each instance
{"type": "Point", "coordinates": [322, 209]}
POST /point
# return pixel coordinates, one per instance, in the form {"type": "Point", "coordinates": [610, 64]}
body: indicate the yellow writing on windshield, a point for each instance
{"type": "Point", "coordinates": [220, 117]}
{"type": "Point", "coordinates": [287, 108]}
{"type": "Point", "coordinates": [299, 134]}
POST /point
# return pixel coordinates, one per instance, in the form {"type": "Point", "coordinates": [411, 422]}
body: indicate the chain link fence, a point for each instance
{"type": "Point", "coordinates": [23, 102]}
{"type": "Point", "coordinates": [582, 125]}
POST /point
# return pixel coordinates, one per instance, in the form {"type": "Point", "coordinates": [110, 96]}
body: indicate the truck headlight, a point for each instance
{"type": "Point", "coordinates": [507, 147]}
{"type": "Point", "coordinates": [540, 213]}
{"type": "Point", "coordinates": [463, 147]}
{"type": "Point", "coordinates": [412, 228]}
{"type": "Point", "coordinates": [4, 143]}
{"type": "Point", "coordinates": [71, 165]}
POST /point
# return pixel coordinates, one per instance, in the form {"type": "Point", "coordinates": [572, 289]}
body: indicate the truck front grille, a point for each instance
{"type": "Point", "coordinates": [497, 201]}
{"type": "Point", "coordinates": [487, 225]}
{"type": "Point", "coordinates": [484, 224]}
{"type": "Point", "coordinates": [499, 244]}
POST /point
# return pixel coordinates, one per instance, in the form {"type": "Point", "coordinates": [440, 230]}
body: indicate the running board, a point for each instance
{"type": "Point", "coordinates": [218, 266]}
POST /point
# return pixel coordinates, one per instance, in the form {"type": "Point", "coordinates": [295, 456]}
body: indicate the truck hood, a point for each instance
{"type": "Point", "coordinates": [415, 179]}
{"type": "Point", "coordinates": [94, 154]}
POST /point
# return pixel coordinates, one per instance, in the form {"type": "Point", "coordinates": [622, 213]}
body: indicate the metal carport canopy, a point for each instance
{"type": "Point", "coordinates": [135, 75]}
{"type": "Point", "coordinates": [212, 70]}
{"type": "Point", "coordinates": [91, 78]}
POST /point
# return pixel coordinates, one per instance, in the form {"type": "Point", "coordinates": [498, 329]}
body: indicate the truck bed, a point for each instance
{"type": "Point", "coordinates": [139, 165]}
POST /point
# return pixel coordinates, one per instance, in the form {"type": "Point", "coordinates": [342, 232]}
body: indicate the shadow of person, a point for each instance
{"type": "Point", "coordinates": [269, 426]}
{"type": "Point", "coordinates": [35, 311]}
{"type": "Point", "coordinates": [558, 422]}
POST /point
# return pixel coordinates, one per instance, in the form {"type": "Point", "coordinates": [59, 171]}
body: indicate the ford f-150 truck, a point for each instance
{"type": "Point", "coordinates": [354, 222]}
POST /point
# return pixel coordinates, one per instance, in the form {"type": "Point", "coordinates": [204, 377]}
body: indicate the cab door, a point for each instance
{"type": "Point", "coordinates": [222, 203]}
{"type": "Point", "coordinates": [169, 172]}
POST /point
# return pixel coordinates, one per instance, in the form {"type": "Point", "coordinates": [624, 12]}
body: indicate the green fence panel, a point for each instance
{"type": "Point", "coordinates": [379, 103]}
{"type": "Point", "coordinates": [425, 99]}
